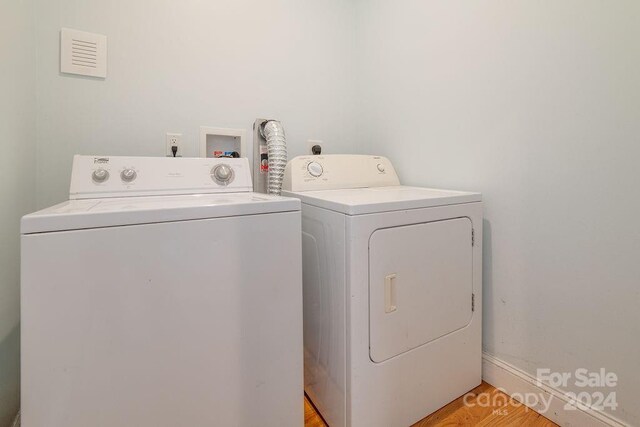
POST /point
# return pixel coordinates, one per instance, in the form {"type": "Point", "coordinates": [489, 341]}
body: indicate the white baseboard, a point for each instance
{"type": "Point", "coordinates": [512, 380]}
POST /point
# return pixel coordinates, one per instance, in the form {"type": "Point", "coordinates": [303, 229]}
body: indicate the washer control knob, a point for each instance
{"type": "Point", "coordinates": [222, 174]}
{"type": "Point", "coordinates": [100, 175]}
{"type": "Point", "coordinates": [315, 169]}
{"type": "Point", "coordinates": [380, 167]}
{"type": "Point", "coordinates": [128, 175]}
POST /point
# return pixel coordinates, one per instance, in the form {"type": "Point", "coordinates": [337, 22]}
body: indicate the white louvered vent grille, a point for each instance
{"type": "Point", "coordinates": [83, 53]}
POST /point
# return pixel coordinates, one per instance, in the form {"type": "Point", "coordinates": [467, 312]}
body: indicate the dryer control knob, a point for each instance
{"type": "Point", "coordinates": [100, 175]}
{"type": "Point", "coordinates": [222, 174]}
{"type": "Point", "coordinates": [128, 175]}
{"type": "Point", "coordinates": [315, 169]}
{"type": "Point", "coordinates": [380, 167]}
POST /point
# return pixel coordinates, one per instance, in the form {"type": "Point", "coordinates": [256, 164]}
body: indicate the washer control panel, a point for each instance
{"type": "Point", "coordinates": [114, 176]}
{"type": "Point", "coordinates": [338, 171]}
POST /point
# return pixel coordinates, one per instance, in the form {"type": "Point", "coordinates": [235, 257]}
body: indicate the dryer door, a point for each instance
{"type": "Point", "coordinates": [420, 285]}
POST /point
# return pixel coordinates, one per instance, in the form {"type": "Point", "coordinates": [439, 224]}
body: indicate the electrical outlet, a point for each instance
{"type": "Point", "coordinates": [311, 143]}
{"type": "Point", "coordinates": [174, 143]}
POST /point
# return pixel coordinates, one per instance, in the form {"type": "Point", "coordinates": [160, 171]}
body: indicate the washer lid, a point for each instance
{"type": "Point", "coordinates": [358, 201]}
{"type": "Point", "coordinates": [95, 213]}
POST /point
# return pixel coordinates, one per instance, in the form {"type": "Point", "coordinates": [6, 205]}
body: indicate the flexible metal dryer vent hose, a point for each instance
{"type": "Point", "coordinates": [273, 132]}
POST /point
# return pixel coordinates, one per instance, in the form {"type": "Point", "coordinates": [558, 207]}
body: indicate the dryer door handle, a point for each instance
{"type": "Point", "coordinates": [390, 304]}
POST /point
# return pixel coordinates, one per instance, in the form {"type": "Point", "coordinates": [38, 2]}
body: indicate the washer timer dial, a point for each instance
{"type": "Point", "coordinates": [222, 174]}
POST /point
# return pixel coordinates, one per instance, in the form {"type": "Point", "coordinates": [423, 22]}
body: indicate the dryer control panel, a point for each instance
{"type": "Point", "coordinates": [338, 171]}
{"type": "Point", "coordinates": [113, 176]}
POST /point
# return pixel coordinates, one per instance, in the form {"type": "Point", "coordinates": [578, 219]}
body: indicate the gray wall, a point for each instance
{"type": "Point", "coordinates": [537, 105]}
{"type": "Point", "coordinates": [17, 181]}
{"type": "Point", "coordinates": [176, 65]}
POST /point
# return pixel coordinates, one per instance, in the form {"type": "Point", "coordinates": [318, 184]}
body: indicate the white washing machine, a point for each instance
{"type": "Point", "coordinates": [164, 294]}
{"type": "Point", "coordinates": [392, 279]}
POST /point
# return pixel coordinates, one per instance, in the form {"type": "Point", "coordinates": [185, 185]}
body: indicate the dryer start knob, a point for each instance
{"type": "Point", "coordinates": [315, 169]}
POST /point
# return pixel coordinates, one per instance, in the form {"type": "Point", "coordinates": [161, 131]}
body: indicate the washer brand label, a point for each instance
{"type": "Point", "coordinates": [101, 160]}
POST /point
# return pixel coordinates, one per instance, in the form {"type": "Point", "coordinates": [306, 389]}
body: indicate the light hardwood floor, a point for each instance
{"type": "Point", "coordinates": [503, 412]}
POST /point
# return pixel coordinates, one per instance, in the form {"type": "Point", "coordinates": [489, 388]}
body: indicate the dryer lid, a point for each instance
{"type": "Point", "coordinates": [358, 201]}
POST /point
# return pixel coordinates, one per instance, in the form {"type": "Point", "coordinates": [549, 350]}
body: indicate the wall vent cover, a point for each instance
{"type": "Point", "coordinates": [83, 53]}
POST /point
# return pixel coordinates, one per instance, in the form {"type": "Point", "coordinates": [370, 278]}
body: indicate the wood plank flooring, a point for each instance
{"type": "Point", "coordinates": [503, 412]}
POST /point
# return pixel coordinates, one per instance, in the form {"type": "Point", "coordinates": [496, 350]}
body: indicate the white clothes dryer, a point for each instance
{"type": "Point", "coordinates": [392, 291]}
